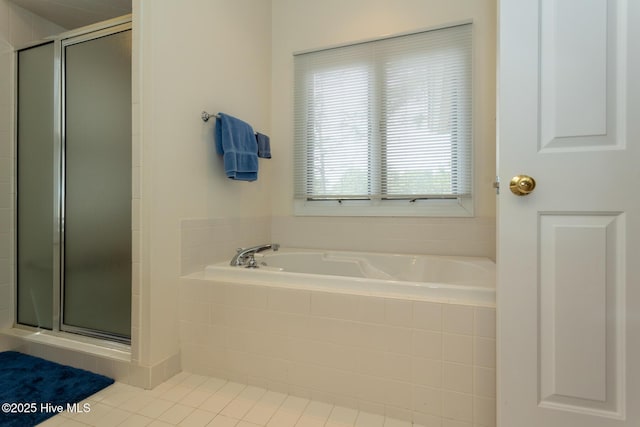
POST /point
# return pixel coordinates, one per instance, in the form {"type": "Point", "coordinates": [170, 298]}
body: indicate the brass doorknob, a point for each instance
{"type": "Point", "coordinates": [521, 185]}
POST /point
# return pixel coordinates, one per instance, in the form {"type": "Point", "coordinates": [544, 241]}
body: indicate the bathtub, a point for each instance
{"type": "Point", "coordinates": [400, 335]}
{"type": "Point", "coordinates": [448, 279]}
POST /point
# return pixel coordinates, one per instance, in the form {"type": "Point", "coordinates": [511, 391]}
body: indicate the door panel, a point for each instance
{"type": "Point", "coordinates": [576, 74]}
{"type": "Point", "coordinates": [569, 253]}
{"type": "Point", "coordinates": [581, 272]}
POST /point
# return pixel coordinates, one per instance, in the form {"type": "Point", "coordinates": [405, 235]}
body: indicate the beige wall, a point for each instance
{"type": "Point", "coordinates": [193, 56]}
{"type": "Point", "coordinates": [307, 24]}
{"type": "Point", "coordinates": [18, 27]}
{"type": "Point", "coordinates": [235, 57]}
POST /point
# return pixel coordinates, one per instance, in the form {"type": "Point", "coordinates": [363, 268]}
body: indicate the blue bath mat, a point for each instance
{"type": "Point", "coordinates": [34, 389]}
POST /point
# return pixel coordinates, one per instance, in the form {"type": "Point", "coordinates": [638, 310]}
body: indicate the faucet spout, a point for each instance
{"type": "Point", "coordinates": [245, 256]}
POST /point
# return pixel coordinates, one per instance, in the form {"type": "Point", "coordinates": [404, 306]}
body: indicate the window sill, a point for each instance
{"type": "Point", "coordinates": [419, 208]}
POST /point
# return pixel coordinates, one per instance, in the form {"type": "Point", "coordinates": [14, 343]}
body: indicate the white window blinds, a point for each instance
{"type": "Point", "coordinates": [387, 119]}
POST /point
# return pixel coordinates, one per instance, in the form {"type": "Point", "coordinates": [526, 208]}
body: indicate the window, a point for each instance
{"type": "Point", "coordinates": [384, 127]}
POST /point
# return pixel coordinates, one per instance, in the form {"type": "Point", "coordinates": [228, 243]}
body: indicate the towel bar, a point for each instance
{"type": "Point", "coordinates": [206, 116]}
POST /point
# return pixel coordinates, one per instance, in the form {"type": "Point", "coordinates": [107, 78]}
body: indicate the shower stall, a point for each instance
{"type": "Point", "coordinates": [73, 215]}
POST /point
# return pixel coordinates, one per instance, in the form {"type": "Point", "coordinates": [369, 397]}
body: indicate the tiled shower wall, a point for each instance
{"type": "Point", "coordinates": [414, 360]}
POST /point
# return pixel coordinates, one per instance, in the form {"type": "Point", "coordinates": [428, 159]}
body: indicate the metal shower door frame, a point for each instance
{"type": "Point", "coordinates": [81, 35]}
{"type": "Point", "coordinates": [61, 41]}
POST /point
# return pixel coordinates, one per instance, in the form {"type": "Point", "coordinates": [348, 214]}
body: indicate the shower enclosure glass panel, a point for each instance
{"type": "Point", "coordinates": [97, 185]}
{"type": "Point", "coordinates": [73, 177]}
{"type": "Point", "coordinates": [35, 186]}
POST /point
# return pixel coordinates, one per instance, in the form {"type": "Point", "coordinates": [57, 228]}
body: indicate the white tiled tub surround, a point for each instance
{"type": "Point", "coordinates": [433, 236]}
{"type": "Point", "coordinates": [428, 362]}
{"type": "Point", "coordinates": [206, 240]}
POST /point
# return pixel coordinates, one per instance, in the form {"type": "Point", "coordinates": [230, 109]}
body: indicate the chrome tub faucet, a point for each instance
{"type": "Point", "coordinates": [245, 256]}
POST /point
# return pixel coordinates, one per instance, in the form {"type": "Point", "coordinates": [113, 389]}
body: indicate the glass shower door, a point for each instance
{"type": "Point", "coordinates": [35, 187]}
{"type": "Point", "coordinates": [96, 288]}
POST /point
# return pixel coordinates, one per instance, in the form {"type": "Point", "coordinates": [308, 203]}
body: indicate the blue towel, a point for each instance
{"type": "Point", "coordinates": [236, 142]}
{"type": "Point", "coordinates": [264, 146]}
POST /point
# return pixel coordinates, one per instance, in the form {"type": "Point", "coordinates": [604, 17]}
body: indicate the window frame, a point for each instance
{"type": "Point", "coordinates": [446, 206]}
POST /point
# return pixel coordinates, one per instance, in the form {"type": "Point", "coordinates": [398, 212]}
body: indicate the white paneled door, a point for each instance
{"type": "Point", "coordinates": [569, 251]}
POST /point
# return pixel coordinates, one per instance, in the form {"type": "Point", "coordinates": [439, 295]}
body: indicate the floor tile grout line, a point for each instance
{"type": "Point", "coordinates": [254, 403]}
{"type": "Point", "coordinates": [197, 385]}
{"type": "Point", "coordinates": [302, 412]}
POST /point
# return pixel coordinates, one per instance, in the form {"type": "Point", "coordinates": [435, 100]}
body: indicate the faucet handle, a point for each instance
{"type": "Point", "coordinates": [275, 246]}
{"type": "Point", "coordinates": [251, 263]}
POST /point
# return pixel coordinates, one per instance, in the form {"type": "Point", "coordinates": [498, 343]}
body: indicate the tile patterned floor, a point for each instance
{"type": "Point", "coordinates": [196, 401]}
